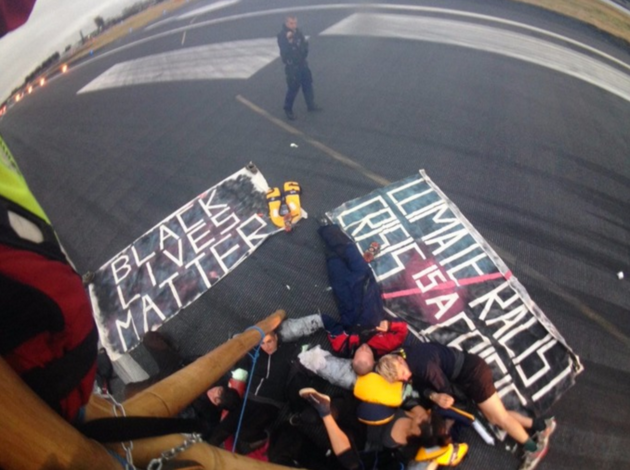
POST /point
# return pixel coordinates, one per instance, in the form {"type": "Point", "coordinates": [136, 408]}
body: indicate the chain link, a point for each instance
{"type": "Point", "coordinates": [192, 439]}
{"type": "Point", "coordinates": [118, 410]}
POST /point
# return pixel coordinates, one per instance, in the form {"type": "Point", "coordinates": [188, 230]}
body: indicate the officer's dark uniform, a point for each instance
{"type": "Point", "coordinates": [298, 74]}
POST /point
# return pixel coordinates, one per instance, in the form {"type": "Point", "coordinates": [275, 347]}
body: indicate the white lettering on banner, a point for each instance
{"type": "Point", "coordinates": [399, 265]}
{"type": "Point", "coordinates": [169, 281]}
{"type": "Point", "coordinates": [193, 241]}
{"type": "Point", "coordinates": [505, 384]}
{"type": "Point", "coordinates": [208, 207]}
{"type": "Point", "coordinates": [370, 224]}
{"type": "Point", "coordinates": [182, 223]}
{"type": "Point", "coordinates": [124, 304]}
{"type": "Point", "coordinates": [408, 200]}
{"type": "Point", "coordinates": [149, 306]}
{"type": "Point", "coordinates": [252, 235]}
{"type": "Point", "coordinates": [140, 262]}
{"type": "Point", "coordinates": [232, 217]}
{"type": "Point", "coordinates": [392, 237]}
{"type": "Point", "coordinates": [492, 297]}
{"type": "Point", "coordinates": [439, 208]}
{"type": "Point", "coordinates": [552, 383]}
{"type": "Point", "coordinates": [200, 270]}
{"type": "Point", "coordinates": [220, 257]}
{"type": "Point", "coordinates": [447, 240]}
{"type": "Point", "coordinates": [179, 261]}
{"type": "Point", "coordinates": [433, 274]}
{"type": "Point", "coordinates": [459, 322]}
{"type": "Point", "coordinates": [470, 262]}
{"type": "Point", "coordinates": [116, 267]}
{"type": "Point", "coordinates": [510, 388]}
{"type": "Point", "coordinates": [165, 233]}
{"type": "Point", "coordinates": [522, 328]}
{"type": "Point", "coordinates": [120, 325]}
{"type": "Point", "coordinates": [509, 320]}
{"type": "Point", "coordinates": [443, 303]}
{"type": "Point", "coordinates": [536, 354]}
{"type": "Point", "coordinates": [151, 276]}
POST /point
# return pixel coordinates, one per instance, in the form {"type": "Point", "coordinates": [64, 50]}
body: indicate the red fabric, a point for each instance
{"type": "Point", "coordinates": [62, 284]}
{"type": "Point", "coordinates": [14, 13]}
{"type": "Point", "coordinates": [381, 343]}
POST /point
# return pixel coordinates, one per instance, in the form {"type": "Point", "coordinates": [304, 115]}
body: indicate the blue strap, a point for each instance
{"type": "Point", "coordinates": [249, 382]}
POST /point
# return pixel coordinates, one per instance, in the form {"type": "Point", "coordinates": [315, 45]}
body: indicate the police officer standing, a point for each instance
{"type": "Point", "coordinates": [293, 51]}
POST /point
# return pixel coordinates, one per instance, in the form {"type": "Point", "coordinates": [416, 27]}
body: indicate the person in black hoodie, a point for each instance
{"type": "Point", "coordinates": [293, 51]}
{"type": "Point", "coordinates": [267, 395]}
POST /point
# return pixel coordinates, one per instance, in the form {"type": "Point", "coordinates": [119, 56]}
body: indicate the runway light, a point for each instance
{"type": "Point", "coordinates": [30, 89]}
{"type": "Point", "coordinates": [18, 97]}
{"type": "Point", "coordinates": [42, 81]}
{"type": "Point", "coordinates": [64, 68]}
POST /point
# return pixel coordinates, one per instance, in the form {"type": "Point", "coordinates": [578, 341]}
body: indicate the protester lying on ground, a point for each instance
{"type": "Point", "coordinates": [436, 368]}
{"type": "Point", "coordinates": [362, 317]}
{"type": "Point", "coordinates": [385, 337]}
{"type": "Point", "coordinates": [396, 442]}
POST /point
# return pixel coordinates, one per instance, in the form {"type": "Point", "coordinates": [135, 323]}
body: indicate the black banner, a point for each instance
{"type": "Point", "coordinates": [180, 258]}
{"type": "Point", "coordinates": [439, 274]}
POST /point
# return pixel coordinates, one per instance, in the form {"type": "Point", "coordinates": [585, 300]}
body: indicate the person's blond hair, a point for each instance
{"type": "Point", "coordinates": [387, 367]}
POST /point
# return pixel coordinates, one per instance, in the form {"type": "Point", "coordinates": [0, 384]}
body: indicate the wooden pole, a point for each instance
{"type": "Point", "coordinates": [210, 457]}
{"type": "Point", "coordinates": [174, 393]}
{"type": "Point", "coordinates": [33, 436]}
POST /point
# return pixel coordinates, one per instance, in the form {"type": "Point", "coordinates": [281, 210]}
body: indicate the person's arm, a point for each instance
{"type": "Point", "coordinates": [439, 388]}
{"type": "Point", "coordinates": [443, 400]}
{"type": "Point", "coordinates": [283, 45]}
{"type": "Point", "coordinates": [390, 336]}
{"type": "Point", "coordinates": [341, 445]}
{"type": "Point", "coordinates": [304, 44]}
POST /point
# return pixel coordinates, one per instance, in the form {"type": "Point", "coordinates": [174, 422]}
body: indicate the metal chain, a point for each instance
{"type": "Point", "coordinates": [192, 439]}
{"type": "Point", "coordinates": [119, 410]}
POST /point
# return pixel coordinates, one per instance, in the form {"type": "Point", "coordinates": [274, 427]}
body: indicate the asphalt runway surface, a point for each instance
{"type": "Point", "coordinates": [534, 155]}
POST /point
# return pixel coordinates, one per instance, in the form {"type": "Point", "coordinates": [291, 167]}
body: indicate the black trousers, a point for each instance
{"type": "Point", "coordinates": [299, 76]}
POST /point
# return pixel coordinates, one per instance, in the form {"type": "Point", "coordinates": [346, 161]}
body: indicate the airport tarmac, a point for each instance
{"type": "Point", "coordinates": [520, 116]}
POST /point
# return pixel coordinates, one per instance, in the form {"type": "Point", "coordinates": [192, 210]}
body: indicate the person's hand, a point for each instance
{"type": "Point", "coordinates": [290, 35]}
{"type": "Point", "coordinates": [383, 326]}
{"type": "Point", "coordinates": [443, 400]}
{"type": "Point", "coordinates": [418, 414]}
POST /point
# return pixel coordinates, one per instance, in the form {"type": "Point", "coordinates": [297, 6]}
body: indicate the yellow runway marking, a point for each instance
{"type": "Point", "coordinates": [315, 143]}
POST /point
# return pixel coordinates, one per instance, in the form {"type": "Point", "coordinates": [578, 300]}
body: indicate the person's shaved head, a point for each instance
{"type": "Point", "coordinates": [363, 360]}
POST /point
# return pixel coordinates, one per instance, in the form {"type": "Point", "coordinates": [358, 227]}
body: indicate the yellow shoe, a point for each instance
{"type": "Point", "coordinates": [292, 191]}
{"type": "Point", "coordinates": [274, 199]}
{"type": "Point", "coordinates": [454, 455]}
{"type": "Point", "coordinates": [448, 456]}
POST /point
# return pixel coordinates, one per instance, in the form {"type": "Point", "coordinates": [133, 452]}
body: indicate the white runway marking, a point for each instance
{"type": "Point", "coordinates": [489, 39]}
{"type": "Point", "coordinates": [228, 60]}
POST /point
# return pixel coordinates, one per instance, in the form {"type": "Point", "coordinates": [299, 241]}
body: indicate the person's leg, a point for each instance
{"type": "Point", "coordinates": [340, 244]}
{"type": "Point", "coordinates": [494, 410]}
{"type": "Point", "coordinates": [341, 281]}
{"type": "Point", "coordinates": [306, 79]}
{"type": "Point", "coordinates": [293, 87]}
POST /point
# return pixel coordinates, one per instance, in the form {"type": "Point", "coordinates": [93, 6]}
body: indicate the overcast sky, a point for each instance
{"type": "Point", "coordinates": [53, 25]}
